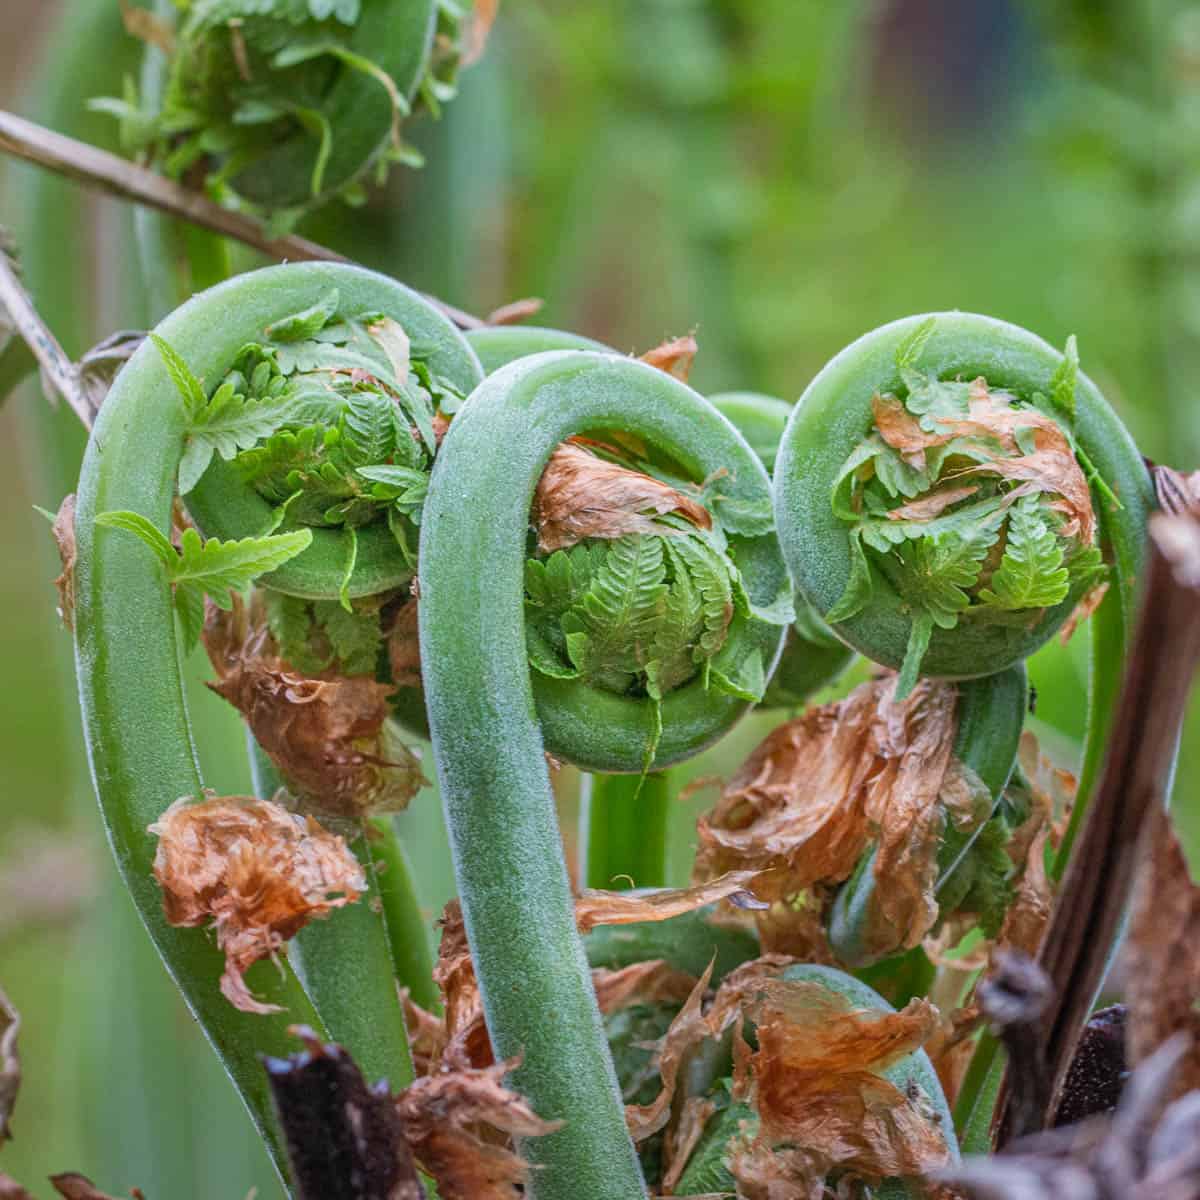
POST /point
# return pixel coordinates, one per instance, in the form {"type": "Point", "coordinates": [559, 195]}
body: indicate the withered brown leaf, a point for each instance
{"type": "Point", "coordinates": [404, 647]}
{"type": "Point", "coordinates": [73, 1186]}
{"type": "Point", "coordinates": [10, 1064]}
{"type": "Point", "coordinates": [654, 981]}
{"type": "Point", "coordinates": [583, 496]}
{"type": "Point", "coordinates": [1088, 603]}
{"type": "Point", "coordinates": [1162, 951]}
{"type": "Point", "coordinates": [675, 356]}
{"type": "Point", "coordinates": [256, 872]}
{"type": "Point", "coordinates": [442, 1115]}
{"type": "Point", "coordinates": [10, 1189]}
{"type": "Point", "coordinates": [595, 907]}
{"type": "Point", "coordinates": [818, 789]}
{"type": "Point", "coordinates": [330, 738]}
{"type": "Point", "coordinates": [63, 530]}
{"type": "Point", "coordinates": [932, 504]}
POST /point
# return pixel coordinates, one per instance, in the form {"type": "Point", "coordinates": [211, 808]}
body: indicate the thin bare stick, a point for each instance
{"type": "Point", "coordinates": [1095, 892]}
{"type": "Point", "coordinates": [61, 374]}
{"type": "Point", "coordinates": [117, 176]}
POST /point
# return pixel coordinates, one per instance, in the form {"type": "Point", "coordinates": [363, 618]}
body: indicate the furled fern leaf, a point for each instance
{"type": "Point", "coordinates": [939, 571]}
{"type": "Point", "coordinates": [227, 423]}
{"type": "Point", "coordinates": [1031, 574]}
{"type": "Point", "coordinates": [678, 632]}
{"type": "Point", "coordinates": [610, 631]}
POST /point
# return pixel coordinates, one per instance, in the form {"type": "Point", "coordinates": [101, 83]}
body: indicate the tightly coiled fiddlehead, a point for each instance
{"type": "Point", "coordinates": [487, 741]}
{"type": "Point", "coordinates": [897, 478]}
{"type": "Point", "coordinates": [127, 656]}
{"type": "Point", "coordinates": [954, 538]}
{"type": "Point", "coordinates": [286, 102]}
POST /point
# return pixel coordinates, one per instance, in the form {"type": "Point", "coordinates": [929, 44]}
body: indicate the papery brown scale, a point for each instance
{"type": "Point", "coordinates": [254, 870]}
{"type": "Point", "coordinates": [902, 431]}
{"type": "Point", "coordinates": [652, 982]}
{"type": "Point", "coordinates": [328, 737]}
{"type": "Point", "coordinates": [404, 647]}
{"type": "Point", "coordinates": [817, 1081]}
{"type": "Point", "coordinates": [595, 907]}
{"type": "Point", "coordinates": [682, 1139]}
{"type": "Point", "coordinates": [675, 356]}
{"type": "Point", "coordinates": [812, 796]}
{"type": "Point", "coordinates": [63, 530]}
{"type": "Point", "coordinates": [467, 1043]}
{"type": "Point", "coordinates": [932, 504]}
{"type": "Point", "coordinates": [446, 1118]}
{"type": "Point", "coordinates": [580, 495]}
{"type": "Point", "coordinates": [1089, 602]}
{"type": "Point", "coordinates": [1162, 952]}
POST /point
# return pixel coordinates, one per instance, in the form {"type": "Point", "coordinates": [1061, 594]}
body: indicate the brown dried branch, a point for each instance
{"type": "Point", "coordinates": [1099, 880]}
{"type": "Point", "coordinates": [127, 181]}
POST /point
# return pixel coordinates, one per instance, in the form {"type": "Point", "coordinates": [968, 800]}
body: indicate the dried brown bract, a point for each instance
{"type": "Point", "coordinates": [583, 496]}
{"type": "Point", "coordinates": [675, 356]}
{"type": "Point", "coordinates": [63, 530]}
{"type": "Point", "coordinates": [652, 982]}
{"type": "Point", "coordinates": [10, 1064]}
{"type": "Point", "coordinates": [328, 737]}
{"type": "Point", "coordinates": [1162, 951]}
{"type": "Point", "coordinates": [73, 1186]}
{"type": "Point", "coordinates": [817, 1085]}
{"type": "Point", "coordinates": [256, 872]}
{"type": "Point", "coordinates": [806, 803]}
{"type": "Point", "coordinates": [515, 311]}
{"type": "Point", "coordinates": [596, 907]}
{"type": "Point", "coordinates": [447, 1118]}
{"type": "Point", "coordinates": [404, 647]}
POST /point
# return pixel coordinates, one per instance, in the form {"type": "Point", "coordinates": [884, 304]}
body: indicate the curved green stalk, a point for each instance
{"type": "Point", "coordinates": [135, 718]}
{"type": "Point", "coordinates": [407, 925]}
{"type": "Point", "coordinates": [624, 819]}
{"type": "Point", "coordinates": [136, 721]}
{"type": "Point", "coordinates": [346, 963]}
{"type": "Point", "coordinates": [488, 744]}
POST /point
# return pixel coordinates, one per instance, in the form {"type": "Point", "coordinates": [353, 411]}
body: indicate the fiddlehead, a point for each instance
{"type": "Point", "coordinates": [949, 528]}
{"type": "Point", "coordinates": [487, 741]}
{"type": "Point", "coordinates": [325, 418]}
{"type": "Point", "coordinates": [136, 723]}
{"type": "Point", "coordinates": [286, 102]}
{"type": "Point", "coordinates": [899, 483]}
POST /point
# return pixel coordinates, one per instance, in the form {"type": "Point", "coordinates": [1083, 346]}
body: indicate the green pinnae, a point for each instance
{"type": "Point", "coordinates": [329, 418]}
{"type": "Point", "coordinates": [972, 503]}
{"type": "Point", "coordinates": [645, 607]}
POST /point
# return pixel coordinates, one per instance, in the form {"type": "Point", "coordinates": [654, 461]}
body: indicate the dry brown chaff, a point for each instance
{"type": "Point", "coordinates": [256, 872]}
{"type": "Point", "coordinates": [581, 495]}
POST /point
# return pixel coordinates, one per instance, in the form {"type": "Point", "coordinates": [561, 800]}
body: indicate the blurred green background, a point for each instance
{"type": "Point", "coordinates": [780, 176]}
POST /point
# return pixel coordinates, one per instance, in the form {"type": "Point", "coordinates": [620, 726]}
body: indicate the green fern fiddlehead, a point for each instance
{"type": "Point", "coordinates": [287, 102]}
{"type": "Point", "coordinates": [486, 734]}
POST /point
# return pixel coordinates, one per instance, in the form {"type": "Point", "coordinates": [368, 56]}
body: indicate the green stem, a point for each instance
{"type": "Point", "coordinates": [976, 1104]}
{"type": "Point", "coordinates": [624, 830]}
{"type": "Point", "coordinates": [407, 925]}
{"type": "Point", "coordinates": [137, 729]}
{"type": "Point", "coordinates": [500, 812]}
{"type": "Point", "coordinates": [346, 964]}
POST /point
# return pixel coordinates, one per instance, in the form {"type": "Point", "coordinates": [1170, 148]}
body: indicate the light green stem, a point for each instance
{"type": "Point", "coordinates": [624, 830]}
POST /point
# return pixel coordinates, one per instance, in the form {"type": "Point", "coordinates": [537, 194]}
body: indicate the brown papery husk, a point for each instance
{"type": "Point", "coordinates": [581, 495]}
{"type": "Point", "coordinates": [449, 1118]}
{"type": "Point", "coordinates": [254, 870]}
{"type": "Point", "coordinates": [329, 737]}
{"type": "Point", "coordinates": [1162, 952]}
{"type": "Point", "coordinates": [808, 801]}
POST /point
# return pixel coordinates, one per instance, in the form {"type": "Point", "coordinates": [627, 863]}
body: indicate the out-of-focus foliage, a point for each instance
{"type": "Point", "coordinates": [780, 176]}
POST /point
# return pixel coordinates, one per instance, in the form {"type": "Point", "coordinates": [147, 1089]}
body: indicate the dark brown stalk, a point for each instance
{"type": "Point", "coordinates": [1095, 892]}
